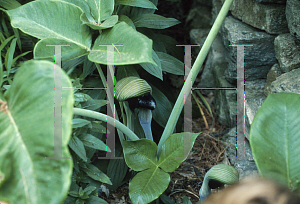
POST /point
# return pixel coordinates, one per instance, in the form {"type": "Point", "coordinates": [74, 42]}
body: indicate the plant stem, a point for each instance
{"type": "Point", "coordinates": [123, 114]}
{"type": "Point", "coordinates": [186, 89]}
{"type": "Point", "coordinates": [145, 118]}
{"type": "Point", "coordinates": [121, 136]}
{"type": "Point", "coordinates": [129, 117]}
{"type": "Point", "coordinates": [108, 119]}
{"type": "Point", "coordinates": [102, 76]}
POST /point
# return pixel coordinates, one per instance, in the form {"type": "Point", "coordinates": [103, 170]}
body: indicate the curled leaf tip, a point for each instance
{"type": "Point", "coordinates": [218, 174]}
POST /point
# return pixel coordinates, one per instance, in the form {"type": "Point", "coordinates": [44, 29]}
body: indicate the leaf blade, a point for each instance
{"type": "Point", "coordinates": [23, 150]}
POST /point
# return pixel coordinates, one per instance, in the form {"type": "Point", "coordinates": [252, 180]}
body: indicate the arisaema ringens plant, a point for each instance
{"type": "Point", "coordinates": [155, 162]}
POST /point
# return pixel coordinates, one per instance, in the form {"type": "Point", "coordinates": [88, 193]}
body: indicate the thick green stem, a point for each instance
{"type": "Point", "coordinates": [108, 119]}
{"type": "Point", "coordinates": [186, 89]}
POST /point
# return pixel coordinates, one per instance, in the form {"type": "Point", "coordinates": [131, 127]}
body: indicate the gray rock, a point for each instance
{"type": "Point", "coordinates": [255, 88]}
{"type": "Point", "coordinates": [251, 108]}
{"type": "Point", "coordinates": [225, 100]}
{"type": "Point", "coordinates": [245, 166]}
{"type": "Point", "coordinates": [258, 59]}
{"type": "Point", "coordinates": [272, 1]}
{"type": "Point", "coordinates": [287, 52]}
{"type": "Point", "coordinates": [288, 82]}
{"type": "Point", "coordinates": [215, 55]}
{"type": "Point", "coordinates": [268, 17]}
{"type": "Point", "coordinates": [274, 72]}
{"type": "Point", "coordinates": [293, 17]}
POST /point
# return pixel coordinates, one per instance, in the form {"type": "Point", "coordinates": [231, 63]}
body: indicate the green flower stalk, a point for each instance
{"type": "Point", "coordinates": [186, 89]}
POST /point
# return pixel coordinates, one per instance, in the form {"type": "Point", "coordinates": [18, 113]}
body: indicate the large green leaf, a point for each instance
{"type": "Point", "coordinates": [170, 64]}
{"type": "Point", "coordinates": [77, 146]}
{"type": "Point", "coordinates": [101, 9]}
{"type": "Point", "coordinates": [155, 70]}
{"type": "Point", "coordinates": [127, 20]}
{"type": "Point", "coordinates": [27, 137]}
{"type": "Point", "coordinates": [94, 104]}
{"type": "Point", "coordinates": [74, 51]}
{"type": "Point", "coordinates": [10, 55]}
{"type": "Point", "coordinates": [137, 3]}
{"type": "Point", "coordinates": [93, 142]}
{"type": "Point", "coordinates": [154, 21]}
{"type": "Point", "coordinates": [96, 174]}
{"type": "Point", "coordinates": [163, 107]}
{"type": "Point", "coordinates": [88, 68]}
{"type": "Point", "coordinates": [83, 6]}
{"type": "Point", "coordinates": [136, 48]}
{"type": "Point", "coordinates": [158, 44]}
{"type": "Point", "coordinates": [108, 23]}
{"type": "Point", "coordinates": [70, 65]}
{"type": "Point", "coordinates": [173, 149]}
{"type": "Point", "coordinates": [148, 185]}
{"type": "Point", "coordinates": [136, 11]}
{"type": "Point", "coordinates": [141, 155]}
{"type": "Point", "coordinates": [170, 45]}
{"type": "Point", "coordinates": [10, 4]}
{"type": "Point", "coordinates": [79, 122]}
{"type": "Point", "coordinates": [55, 20]}
{"type": "Point", "coordinates": [275, 139]}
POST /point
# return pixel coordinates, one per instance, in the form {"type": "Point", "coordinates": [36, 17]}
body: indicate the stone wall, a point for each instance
{"type": "Point", "coordinates": [272, 63]}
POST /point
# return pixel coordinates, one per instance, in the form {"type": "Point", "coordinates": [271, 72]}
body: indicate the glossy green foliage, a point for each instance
{"type": "Point", "coordinates": [141, 155]}
{"type": "Point", "coordinates": [275, 139]}
{"type": "Point", "coordinates": [27, 138]}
